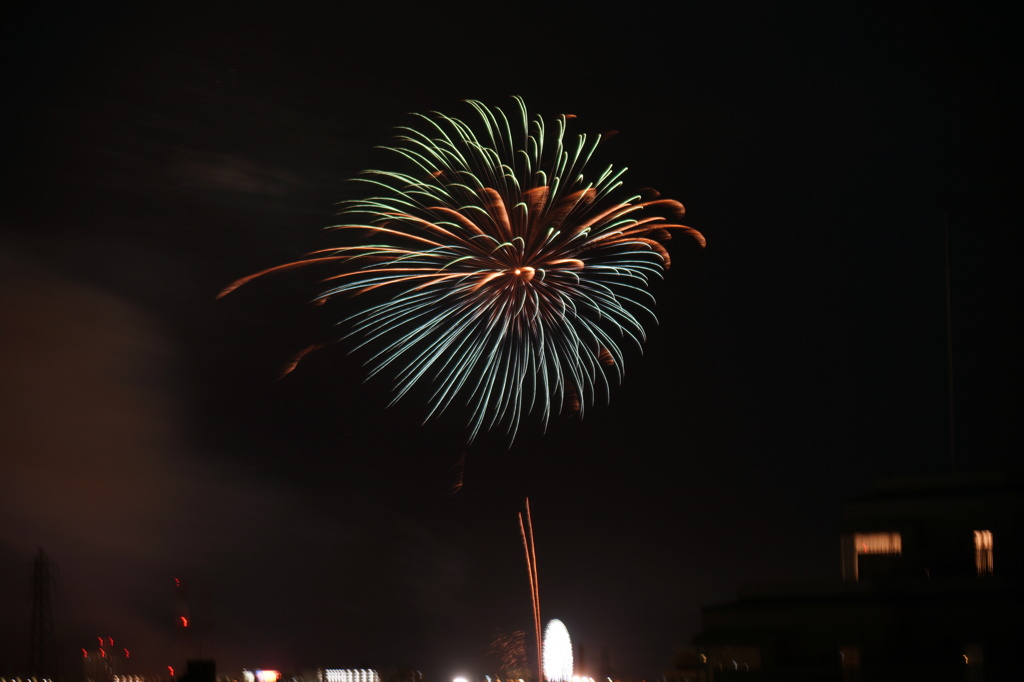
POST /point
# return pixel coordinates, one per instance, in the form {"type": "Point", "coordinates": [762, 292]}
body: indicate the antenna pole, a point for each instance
{"type": "Point", "coordinates": [949, 345]}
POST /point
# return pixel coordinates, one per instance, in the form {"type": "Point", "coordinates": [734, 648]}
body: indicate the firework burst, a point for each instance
{"type": "Point", "coordinates": [508, 276]}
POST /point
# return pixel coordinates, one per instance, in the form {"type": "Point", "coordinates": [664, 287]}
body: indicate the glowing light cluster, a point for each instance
{"type": "Point", "coordinates": [350, 675]}
{"type": "Point", "coordinates": [500, 269]}
{"type": "Point", "coordinates": [261, 675]}
{"type": "Point", "coordinates": [557, 652]}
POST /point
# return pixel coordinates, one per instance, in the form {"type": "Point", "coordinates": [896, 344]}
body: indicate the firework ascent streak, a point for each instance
{"type": "Point", "coordinates": [507, 273]}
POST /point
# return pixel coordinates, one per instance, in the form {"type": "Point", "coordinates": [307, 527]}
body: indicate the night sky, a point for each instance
{"type": "Point", "coordinates": [154, 156]}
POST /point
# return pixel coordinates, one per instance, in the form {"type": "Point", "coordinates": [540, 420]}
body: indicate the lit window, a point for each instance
{"type": "Point", "coordinates": [878, 543]}
{"type": "Point", "coordinates": [880, 547]}
{"type": "Point", "coordinates": [983, 551]}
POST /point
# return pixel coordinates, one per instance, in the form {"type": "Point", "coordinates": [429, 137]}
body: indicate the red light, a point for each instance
{"type": "Point", "coordinates": [85, 654]}
{"type": "Point", "coordinates": [170, 670]}
{"type": "Point", "coordinates": [184, 621]}
{"type": "Point", "coordinates": [126, 654]}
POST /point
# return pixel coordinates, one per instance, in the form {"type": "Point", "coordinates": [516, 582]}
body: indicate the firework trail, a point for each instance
{"type": "Point", "coordinates": [526, 529]}
{"type": "Point", "coordinates": [507, 275]}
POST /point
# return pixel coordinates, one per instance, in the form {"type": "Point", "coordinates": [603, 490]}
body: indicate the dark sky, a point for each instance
{"type": "Point", "coordinates": [154, 156]}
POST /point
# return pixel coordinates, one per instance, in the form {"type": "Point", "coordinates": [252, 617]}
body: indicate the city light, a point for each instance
{"type": "Point", "coordinates": [261, 675]}
{"type": "Point", "coordinates": [350, 675]}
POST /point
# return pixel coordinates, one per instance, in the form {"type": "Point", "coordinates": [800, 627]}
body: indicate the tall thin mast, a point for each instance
{"type": "Point", "coordinates": [949, 346]}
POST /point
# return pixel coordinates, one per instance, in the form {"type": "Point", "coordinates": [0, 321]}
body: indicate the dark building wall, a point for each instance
{"type": "Point", "coordinates": [922, 613]}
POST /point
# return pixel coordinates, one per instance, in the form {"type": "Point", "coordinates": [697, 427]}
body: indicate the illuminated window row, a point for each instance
{"type": "Point", "coordinates": [350, 675]}
{"type": "Point", "coordinates": [878, 543]}
{"type": "Point", "coordinates": [892, 543]}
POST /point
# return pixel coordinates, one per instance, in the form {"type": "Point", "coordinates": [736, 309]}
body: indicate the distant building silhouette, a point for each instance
{"type": "Point", "coordinates": [43, 640]}
{"type": "Point", "coordinates": [200, 670]}
{"type": "Point", "coordinates": [931, 588]}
